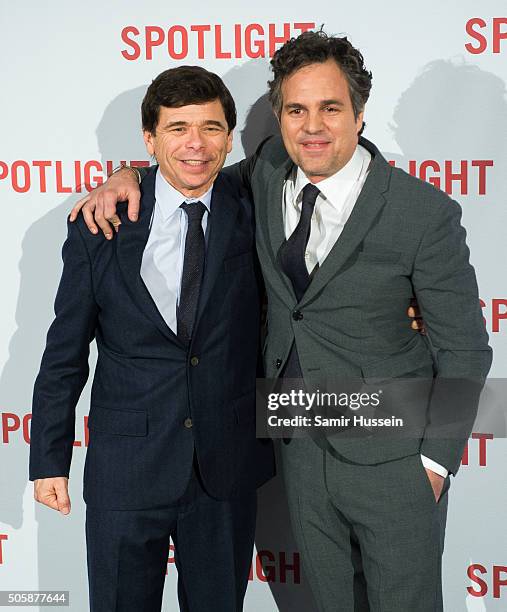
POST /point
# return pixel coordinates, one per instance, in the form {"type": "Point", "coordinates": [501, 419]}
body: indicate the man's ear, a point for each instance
{"type": "Point", "coordinates": [360, 121]}
{"type": "Point", "coordinates": [149, 142]}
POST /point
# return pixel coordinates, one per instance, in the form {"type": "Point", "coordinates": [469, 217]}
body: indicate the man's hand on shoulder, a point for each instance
{"type": "Point", "coordinates": [99, 206]}
{"type": "Point", "coordinates": [53, 493]}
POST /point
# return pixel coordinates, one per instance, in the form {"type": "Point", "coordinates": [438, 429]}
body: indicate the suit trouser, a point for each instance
{"type": "Point", "coordinates": [371, 536]}
{"type": "Point", "coordinates": [128, 553]}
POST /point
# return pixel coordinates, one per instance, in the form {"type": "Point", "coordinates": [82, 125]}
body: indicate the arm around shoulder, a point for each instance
{"type": "Point", "coordinates": [99, 206]}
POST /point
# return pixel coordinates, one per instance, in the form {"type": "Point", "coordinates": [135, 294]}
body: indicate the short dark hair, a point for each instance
{"type": "Point", "coordinates": [184, 85]}
{"type": "Point", "coordinates": [314, 48]}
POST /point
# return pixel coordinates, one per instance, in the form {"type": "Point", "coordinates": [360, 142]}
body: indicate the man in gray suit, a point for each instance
{"type": "Point", "coordinates": [345, 242]}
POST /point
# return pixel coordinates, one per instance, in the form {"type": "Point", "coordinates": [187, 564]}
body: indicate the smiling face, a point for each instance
{"type": "Point", "coordinates": [317, 121]}
{"type": "Point", "coordinates": [190, 144]}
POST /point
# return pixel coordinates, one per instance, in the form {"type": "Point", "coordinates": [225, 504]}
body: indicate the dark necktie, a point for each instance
{"type": "Point", "coordinates": [291, 255]}
{"type": "Point", "coordinates": [193, 267]}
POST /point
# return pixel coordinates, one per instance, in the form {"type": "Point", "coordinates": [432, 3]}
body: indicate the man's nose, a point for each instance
{"type": "Point", "coordinates": [195, 139]}
{"type": "Point", "coordinates": [313, 123]}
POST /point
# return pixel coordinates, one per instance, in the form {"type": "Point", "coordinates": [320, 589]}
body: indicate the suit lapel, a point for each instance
{"type": "Point", "coordinates": [131, 241]}
{"type": "Point", "coordinates": [274, 212]}
{"type": "Point", "coordinates": [370, 202]}
{"type": "Point", "coordinates": [274, 226]}
{"type": "Point", "coordinates": [222, 218]}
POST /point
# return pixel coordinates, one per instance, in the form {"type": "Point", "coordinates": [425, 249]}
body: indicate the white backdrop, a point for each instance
{"type": "Point", "coordinates": [73, 76]}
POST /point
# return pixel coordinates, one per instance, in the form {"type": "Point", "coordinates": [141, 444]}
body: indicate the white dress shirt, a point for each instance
{"type": "Point", "coordinates": [338, 194]}
{"type": "Point", "coordinates": [333, 207]}
{"type": "Point", "coordinates": [162, 263]}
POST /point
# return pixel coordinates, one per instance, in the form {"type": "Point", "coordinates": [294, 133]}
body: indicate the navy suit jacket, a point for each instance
{"type": "Point", "coordinates": [147, 384]}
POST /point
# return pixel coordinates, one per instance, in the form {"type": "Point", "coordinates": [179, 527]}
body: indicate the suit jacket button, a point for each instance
{"type": "Point", "coordinates": [297, 315]}
{"type": "Point", "coordinates": [188, 423]}
{"type": "Point", "coordinates": [194, 361]}
{"type": "Point", "coordinates": [278, 363]}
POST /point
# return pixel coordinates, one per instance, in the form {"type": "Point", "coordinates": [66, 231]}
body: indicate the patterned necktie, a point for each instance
{"type": "Point", "coordinates": [193, 267]}
{"type": "Point", "coordinates": [291, 255]}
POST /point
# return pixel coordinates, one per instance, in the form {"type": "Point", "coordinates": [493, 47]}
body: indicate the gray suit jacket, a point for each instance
{"type": "Point", "coordinates": [403, 240]}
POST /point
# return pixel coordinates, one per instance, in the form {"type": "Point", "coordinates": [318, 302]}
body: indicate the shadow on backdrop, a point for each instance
{"type": "Point", "coordinates": [456, 111]}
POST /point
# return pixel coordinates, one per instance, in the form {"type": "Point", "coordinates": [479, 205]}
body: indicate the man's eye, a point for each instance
{"type": "Point", "coordinates": [178, 129]}
{"type": "Point", "coordinates": [296, 111]}
{"type": "Point", "coordinates": [331, 109]}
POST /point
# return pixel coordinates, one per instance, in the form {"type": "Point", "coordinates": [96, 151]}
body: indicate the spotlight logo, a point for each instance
{"type": "Point", "coordinates": [204, 41]}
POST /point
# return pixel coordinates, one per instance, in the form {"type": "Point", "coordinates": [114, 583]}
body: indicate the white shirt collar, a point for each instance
{"type": "Point", "coordinates": [333, 187]}
{"type": "Point", "coordinates": [169, 199]}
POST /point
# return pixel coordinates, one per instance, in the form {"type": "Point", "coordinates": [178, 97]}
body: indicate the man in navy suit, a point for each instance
{"type": "Point", "coordinates": [173, 303]}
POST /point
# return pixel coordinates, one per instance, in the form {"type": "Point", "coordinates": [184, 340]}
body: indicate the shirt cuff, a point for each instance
{"type": "Point", "coordinates": [434, 466]}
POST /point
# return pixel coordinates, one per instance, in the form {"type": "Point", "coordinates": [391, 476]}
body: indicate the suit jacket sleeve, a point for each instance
{"type": "Point", "coordinates": [446, 290]}
{"type": "Point", "coordinates": [64, 367]}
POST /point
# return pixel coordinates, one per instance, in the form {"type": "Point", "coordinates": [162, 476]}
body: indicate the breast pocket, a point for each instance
{"type": "Point", "coordinates": [378, 253]}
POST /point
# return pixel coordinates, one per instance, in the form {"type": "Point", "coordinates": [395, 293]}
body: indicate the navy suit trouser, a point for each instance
{"type": "Point", "coordinates": [127, 552]}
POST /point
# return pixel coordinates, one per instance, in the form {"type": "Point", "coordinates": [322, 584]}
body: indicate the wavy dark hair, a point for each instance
{"type": "Point", "coordinates": [184, 85]}
{"type": "Point", "coordinates": [318, 47]}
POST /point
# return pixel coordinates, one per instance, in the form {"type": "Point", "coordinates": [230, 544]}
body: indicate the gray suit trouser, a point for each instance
{"type": "Point", "coordinates": [371, 537]}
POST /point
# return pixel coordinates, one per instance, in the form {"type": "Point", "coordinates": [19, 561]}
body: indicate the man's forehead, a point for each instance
{"type": "Point", "coordinates": [329, 70]}
{"type": "Point", "coordinates": [320, 81]}
{"type": "Point", "coordinates": [193, 112]}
